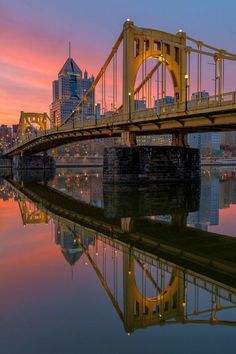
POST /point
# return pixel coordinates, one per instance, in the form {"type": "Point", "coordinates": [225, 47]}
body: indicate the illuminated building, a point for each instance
{"type": "Point", "coordinates": [68, 90]}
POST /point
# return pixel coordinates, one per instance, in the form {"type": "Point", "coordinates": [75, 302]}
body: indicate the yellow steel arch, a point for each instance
{"type": "Point", "coordinates": [140, 44]}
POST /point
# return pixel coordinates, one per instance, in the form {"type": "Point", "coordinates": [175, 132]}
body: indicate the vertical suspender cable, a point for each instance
{"type": "Point", "coordinates": [104, 81]}
{"type": "Point", "coordinates": [113, 83]}
{"type": "Point", "coordinates": [116, 89]}
{"type": "Point", "coordinates": [145, 72]}
{"type": "Point", "coordinates": [200, 72]}
{"type": "Point", "coordinates": [220, 78]}
{"type": "Point", "coordinates": [189, 74]}
{"type": "Point", "coordinates": [198, 65]}
{"type": "Point", "coordinates": [102, 96]}
{"type": "Point", "coordinates": [223, 76]}
{"type": "Point", "coordinates": [215, 78]}
{"type": "Point", "coordinates": [162, 75]}
{"type": "Point", "coordinates": [157, 82]}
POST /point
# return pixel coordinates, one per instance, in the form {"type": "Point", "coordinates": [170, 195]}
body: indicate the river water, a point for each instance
{"type": "Point", "coordinates": [91, 268]}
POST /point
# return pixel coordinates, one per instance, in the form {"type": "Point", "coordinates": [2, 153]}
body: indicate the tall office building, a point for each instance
{"type": "Point", "coordinates": [139, 105]}
{"type": "Point", "coordinates": [165, 101]}
{"type": "Point", "coordinates": [228, 138]}
{"type": "Point", "coordinates": [5, 132]}
{"type": "Point", "coordinates": [208, 213]}
{"type": "Point", "coordinates": [161, 140]}
{"type": "Point", "coordinates": [68, 90]}
{"type": "Point", "coordinates": [14, 130]}
{"type": "Point", "coordinates": [207, 142]}
{"type": "Point", "coordinates": [68, 240]}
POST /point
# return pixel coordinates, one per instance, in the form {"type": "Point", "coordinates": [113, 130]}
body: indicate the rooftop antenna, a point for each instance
{"type": "Point", "coordinates": [69, 49]}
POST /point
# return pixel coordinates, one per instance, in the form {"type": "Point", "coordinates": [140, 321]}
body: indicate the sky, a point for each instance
{"type": "Point", "coordinates": [34, 36]}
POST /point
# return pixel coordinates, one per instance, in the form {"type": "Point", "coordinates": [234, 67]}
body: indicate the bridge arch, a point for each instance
{"type": "Point", "coordinates": [140, 44]}
{"type": "Point", "coordinates": [154, 80]}
{"type": "Point", "coordinates": [140, 311]}
{"type": "Point", "coordinates": [29, 120]}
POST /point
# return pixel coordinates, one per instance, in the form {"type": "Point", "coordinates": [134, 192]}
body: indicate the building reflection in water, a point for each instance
{"type": "Point", "coordinates": [145, 289]}
{"type": "Point", "coordinates": [68, 241]}
{"type": "Point", "coordinates": [218, 191]}
{"type": "Point", "coordinates": [82, 184]}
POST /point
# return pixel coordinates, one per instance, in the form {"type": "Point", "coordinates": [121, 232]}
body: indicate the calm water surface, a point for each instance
{"type": "Point", "coordinates": [81, 270]}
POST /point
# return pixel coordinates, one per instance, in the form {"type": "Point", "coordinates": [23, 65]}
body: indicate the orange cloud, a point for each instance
{"type": "Point", "coordinates": [30, 59]}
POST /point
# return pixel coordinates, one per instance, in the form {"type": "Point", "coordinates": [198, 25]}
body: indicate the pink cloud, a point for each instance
{"type": "Point", "coordinates": [30, 59]}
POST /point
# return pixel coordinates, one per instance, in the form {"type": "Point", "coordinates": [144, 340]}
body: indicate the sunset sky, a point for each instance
{"type": "Point", "coordinates": [34, 36]}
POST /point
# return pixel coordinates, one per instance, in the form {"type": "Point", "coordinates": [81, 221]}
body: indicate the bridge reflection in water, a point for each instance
{"type": "Point", "coordinates": [154, 273]}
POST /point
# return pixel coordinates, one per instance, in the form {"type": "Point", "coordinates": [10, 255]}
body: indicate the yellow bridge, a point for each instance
{"type": "Point", "coordinates": [135, 110]}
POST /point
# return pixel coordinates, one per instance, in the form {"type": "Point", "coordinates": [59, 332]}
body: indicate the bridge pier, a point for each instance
{"type": "Point", "coordinates": [33, 162]}
{"type": "Point", "coordinates": [128, 138]}
{"type": "Point", "coordinates": [180, 139]}
{"type": "Point", "coordinates": [150, 164]}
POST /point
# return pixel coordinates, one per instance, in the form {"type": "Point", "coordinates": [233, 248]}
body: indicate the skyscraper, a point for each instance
{"type": "Point", "coordinates": [68, 90]}
{"type": "Point", "coordinates": [207, 142]}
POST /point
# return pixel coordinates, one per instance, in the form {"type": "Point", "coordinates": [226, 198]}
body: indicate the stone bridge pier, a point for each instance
{"type": "Point", "coordinates": [130, 163]}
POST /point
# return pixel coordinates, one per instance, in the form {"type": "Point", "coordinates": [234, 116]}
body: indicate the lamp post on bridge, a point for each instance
{"type": "Point", "coordinates": [186, 92]}
{"type": "Point", "coordinates": [129, 106]}
{"type": "Point", "coordinates": [95, 114]}
{"type": "Point", "coordinates": [73, 119]}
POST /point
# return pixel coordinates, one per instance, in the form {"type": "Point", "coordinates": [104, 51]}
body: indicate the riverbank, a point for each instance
{"type": "Point", "coordinates": [219, 162]}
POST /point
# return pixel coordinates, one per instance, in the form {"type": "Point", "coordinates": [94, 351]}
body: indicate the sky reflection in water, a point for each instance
{"type": "Point", "coordinates": [53, 297]}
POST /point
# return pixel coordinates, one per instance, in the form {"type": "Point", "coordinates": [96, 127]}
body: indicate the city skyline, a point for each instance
{"type": "Point", "coordinates": [35, 44]}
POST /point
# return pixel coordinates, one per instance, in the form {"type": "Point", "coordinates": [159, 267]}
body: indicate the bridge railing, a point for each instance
{"type": "Point", "coordinates": [162, 111]}
{"type": "Point", "coordinates": [110, 120]}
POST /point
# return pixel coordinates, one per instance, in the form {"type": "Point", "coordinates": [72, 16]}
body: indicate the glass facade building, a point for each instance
{"type": "Point", "coordinates": [68, 90]}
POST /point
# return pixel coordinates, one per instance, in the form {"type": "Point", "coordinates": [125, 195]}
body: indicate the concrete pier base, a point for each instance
{"type": "Point", "coordinates": [150, 164]}
{"type": "Point", "coordinates": [33, 162]}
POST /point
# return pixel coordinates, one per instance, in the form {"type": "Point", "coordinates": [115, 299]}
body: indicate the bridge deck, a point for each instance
{"type": "Point", "coordinates": [212, 114]}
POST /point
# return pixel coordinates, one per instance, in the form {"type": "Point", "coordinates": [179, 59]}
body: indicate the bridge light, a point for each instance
{"type": "Point", "coordinates": [128, 20]}
{"type": "Point", "coordinates": [186, 92]}
{"type": "Point", "coordinates": [180, 30]}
